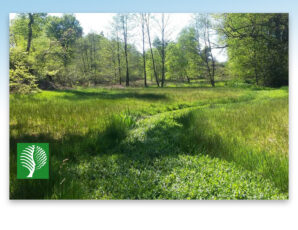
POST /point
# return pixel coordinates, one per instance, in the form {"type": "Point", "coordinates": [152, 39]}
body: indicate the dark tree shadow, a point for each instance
{"type": "Point", "coordinates": [160, 141]}
{"type": "Point", "coordinates": [82, 95]}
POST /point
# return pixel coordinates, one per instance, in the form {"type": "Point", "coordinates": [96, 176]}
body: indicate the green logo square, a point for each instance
{"type": "Point", "coordinates": [33, 160]}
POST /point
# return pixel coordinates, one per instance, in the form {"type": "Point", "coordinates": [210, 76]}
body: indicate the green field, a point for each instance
{"type": "Point", "coordinates": [155, 143]}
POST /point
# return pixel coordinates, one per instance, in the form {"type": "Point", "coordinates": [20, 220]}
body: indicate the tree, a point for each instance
{"type": "Point", "coordinates": [124, 22]}
{"type": "Point", "coordinates": [147, 20]}
{"type": "Point", "coordinates": [189, 46]}
{"type": "Point", "coordinates": [50, 52]}
{"type": "Point", "coordinates": [25, 29]}
{"type": "Point", "coordinates": [257, 47]}
{"type": "Point", "coordinates": [119, 58]}
{"type": "Point", "coordinates": [204, 28]}
{"type": "Point", "coordinates": [142, 16]}
{"type": "Point", "coordinates": [176, 63]}
{"type": "Point", "coordinates": [162, 26]}
{"type": "Point", "coordinates": [66, 30]}
{"type": "Point", "coordinates": [116, 28]}
{"type": "Point", "coordinates": [90, 55]}
{"type": "Point", "coordinates": [20, 78]}
{"type": "Point", "coordinates": [31, 21]}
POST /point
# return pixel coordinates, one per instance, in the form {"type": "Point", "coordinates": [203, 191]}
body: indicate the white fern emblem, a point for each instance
{"type": "Point", "coordinates": [33, 158]}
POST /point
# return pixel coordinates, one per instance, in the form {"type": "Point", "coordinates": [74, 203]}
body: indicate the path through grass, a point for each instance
{"type": "Point", "coordinates": [172, 143]}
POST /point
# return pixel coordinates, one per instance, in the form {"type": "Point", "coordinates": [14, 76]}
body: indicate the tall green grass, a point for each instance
{"type": "Point", "coordinates": [254, 135]}
{"type": "Point", "coordinates": [171, 143]}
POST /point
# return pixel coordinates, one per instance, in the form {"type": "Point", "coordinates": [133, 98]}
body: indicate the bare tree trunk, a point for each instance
{"type": "Point", "coordinates": [126, 61]}
{"type": "Point", "coordinates": [163, 51]}
{"type": "Point", "coordinates": [213, 63]}
{"type": "Point", "coordinates": [153, 62]}
{"type": "Point", "coordinates": [31, 21]}
{"type": "Point", "coordinates": [255, 68]}
{"type": "Point", "coordinates": [211, 72]}
{"type": "Point", "coordinates": [124, 27]}
{"type": "Point", "coordinates": [94, 53]}
{"type": "Point", "coordinates": [119, 60]}
{"type": "Point", "coordinates": [144, 55]}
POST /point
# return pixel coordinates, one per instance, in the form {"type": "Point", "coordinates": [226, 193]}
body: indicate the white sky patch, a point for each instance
{"type": "Point", "coordinates": [95, 22]}
{"type": "Point", "coordinates": [101, 22]}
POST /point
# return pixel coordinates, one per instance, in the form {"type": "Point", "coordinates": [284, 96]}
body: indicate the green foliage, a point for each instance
{"type": "Point", "coordinates": [186, 141]}
{"type": "Point", "coordinates": [19, 28]}
{"type": "Point", "coordinates": [239, 133]}
{"type": "Point", "coordinates": [189, 45]}
{"type": "Point", "coordinates": [258, 47]}
{"type": "Point", "coordinates": [21, 80]}
{"type": "Point", "coordinates": [65, 29]}
{"type": "Point", "coordinates": [60, 57]}
{"type": "Point", "coordinates": [153, 143]}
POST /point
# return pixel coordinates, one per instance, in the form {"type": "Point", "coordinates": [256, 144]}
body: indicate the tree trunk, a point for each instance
{"type": "Point", "coordinates": [119, 61]}
{"type": "Point", "coordinates": [153, 62]}
{"type": "Point", "coordinates": [188, 79]}
{"type": "Point", "coordinates": [31, 21]}
{"type": "Point", "coordinates": [163, 52]}
{"type": "Point", "coordinates": [126, 60]}
{"type": "Point", "coordinates": [255, 67]}
{"type": "Point", "coordinates": [208, 44]}
{"type": "Point", "coordinates": [144, 55]}
{"type": "Point", "coordinates": [124, 25]}
{"type": "Point", "coordinates": [213, 63]}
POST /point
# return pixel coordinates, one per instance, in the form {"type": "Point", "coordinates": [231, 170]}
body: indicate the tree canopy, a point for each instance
{"type": "Point", "coordinates": [50, 52]}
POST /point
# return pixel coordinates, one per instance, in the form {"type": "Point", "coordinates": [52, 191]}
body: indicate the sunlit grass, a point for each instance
{"type": "Point", "coordinates": [254, 135]}
{"type": "Point", "coordinates": [171, 143]}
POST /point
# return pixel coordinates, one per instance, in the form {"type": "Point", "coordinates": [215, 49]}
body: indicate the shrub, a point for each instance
{"type": "Point", "coordinates": [20, 78]}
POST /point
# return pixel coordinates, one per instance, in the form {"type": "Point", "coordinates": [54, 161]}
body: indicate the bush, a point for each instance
{"type": "Point", "coordinates": [20, 78]}
{"type": "Point", "coordinates": [21, 81]}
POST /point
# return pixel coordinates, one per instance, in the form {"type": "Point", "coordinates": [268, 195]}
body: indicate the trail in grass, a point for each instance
{"type": "Point", "coordinates": [155, 149]}
{"type": "Point", "coordinates": [249, 97]}
{"type": "Point", "coordinates": [152, 163]}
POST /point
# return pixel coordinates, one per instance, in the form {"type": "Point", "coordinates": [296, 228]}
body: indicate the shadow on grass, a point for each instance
{"type": "Point", "coordinates": [83, 95]}
{"type": "Point", "coordinates": [116, 164]}
{"type": "Point", "coordinates": [111, 149]}
{"type": "Point", "coordinates": [200, 136]}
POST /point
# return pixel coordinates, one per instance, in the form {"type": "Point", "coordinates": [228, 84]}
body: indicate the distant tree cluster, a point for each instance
{"type": "Point", "coordinates": [50, 52]}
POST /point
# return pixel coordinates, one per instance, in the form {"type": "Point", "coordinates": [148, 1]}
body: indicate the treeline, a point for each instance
{"type": "Point", "coordinates": [50, 52]}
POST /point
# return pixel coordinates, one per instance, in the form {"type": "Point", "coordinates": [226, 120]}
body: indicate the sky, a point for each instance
{"type": "Point", "coordinates": [101, 22]}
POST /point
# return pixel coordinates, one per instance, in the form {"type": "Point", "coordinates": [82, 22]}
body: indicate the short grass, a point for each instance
{"type": "Point", "coordinates": [171, 143]}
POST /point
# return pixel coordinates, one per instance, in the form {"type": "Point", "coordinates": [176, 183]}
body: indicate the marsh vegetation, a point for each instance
{"type": "Point", "coordinates": [159, 119]}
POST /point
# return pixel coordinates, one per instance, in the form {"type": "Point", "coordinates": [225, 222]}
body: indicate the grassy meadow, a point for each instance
{"type": "Point", "coordinates": [155, 143]}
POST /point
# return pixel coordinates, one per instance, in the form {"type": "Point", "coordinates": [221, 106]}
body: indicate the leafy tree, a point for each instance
{"type": "Point", "coordinates": [205, 28]}
{"type": "Point", "coordinates": [25, 33]}
{"type": "Point", "coordinates": [189, 45]}
{"type": "Point", "coordinates": [257, 47]}
{"type": "Point", "coordinates": [65, 30]}
{"type": "Point", "coordinates": [176, 62]}
{"type": "Point", "coordinates": [51, 52]}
